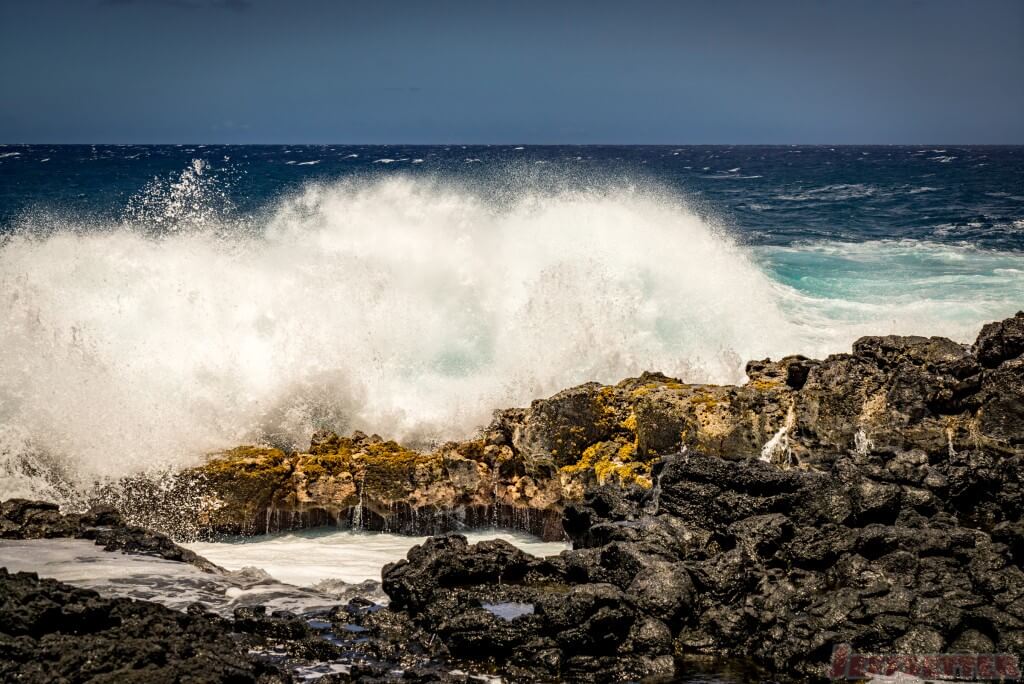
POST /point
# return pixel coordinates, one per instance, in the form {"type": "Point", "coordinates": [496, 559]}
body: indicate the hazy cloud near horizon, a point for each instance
{"type": "Point", "coordinates": [649, 71]}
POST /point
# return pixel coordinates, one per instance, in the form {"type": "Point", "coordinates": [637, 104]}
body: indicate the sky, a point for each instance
{"type": "Point", "coordinates": [482, 71]}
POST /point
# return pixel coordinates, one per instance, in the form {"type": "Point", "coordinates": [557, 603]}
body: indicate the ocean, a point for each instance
{"type": "Point", "coordinates": [158, 303]}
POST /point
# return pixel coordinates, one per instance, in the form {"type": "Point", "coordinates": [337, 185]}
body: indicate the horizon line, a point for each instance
{"type": "Point", "coordinates": [546, 144]}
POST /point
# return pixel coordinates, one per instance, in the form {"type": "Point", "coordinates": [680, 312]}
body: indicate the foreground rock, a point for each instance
{"type": "Point", "coordinates": [910, 398]}
{"type": "Point", "coordinates": [883, 512]}
{"type": "Point", "coordinates": [740, 560]}
{"type": "Point", "coordinates": [53, 632]}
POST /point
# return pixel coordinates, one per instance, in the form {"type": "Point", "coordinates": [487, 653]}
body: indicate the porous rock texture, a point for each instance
{"type": "Point", "coordinates": [55, 632]}
{"type": "Point", "coordinates": [887, 516]}
{"type": "Point", "coordinates": [738, 559]}
{"type": "Point", "coordinates": [896, 400]}
{"type": "Point", "coordinates": [52, 632]}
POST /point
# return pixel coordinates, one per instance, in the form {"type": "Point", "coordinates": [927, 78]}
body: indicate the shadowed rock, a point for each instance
{"type": "Point", "coordinates": [889, 518]}
{"type": "Point", "coordinates": [52, 632]}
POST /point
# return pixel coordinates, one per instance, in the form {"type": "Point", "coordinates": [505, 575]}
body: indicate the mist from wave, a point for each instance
{"type": "Point", "coordinates": [411, 307]}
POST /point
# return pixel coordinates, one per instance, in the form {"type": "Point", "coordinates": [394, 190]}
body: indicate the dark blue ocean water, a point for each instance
{"type": "Point", "coordinates": [767, 195]}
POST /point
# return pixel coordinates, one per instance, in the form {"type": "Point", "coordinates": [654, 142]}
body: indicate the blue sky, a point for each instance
{"type": "Point", "coordinates": [420, 71]}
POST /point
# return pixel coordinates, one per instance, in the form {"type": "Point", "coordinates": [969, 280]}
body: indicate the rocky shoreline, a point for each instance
{"type": "Point", "coordinates": [870, 499]}
{"type": "Point", "coordinates": [52, 631]}
{"type": "Point", "coordinates": [911, 398]}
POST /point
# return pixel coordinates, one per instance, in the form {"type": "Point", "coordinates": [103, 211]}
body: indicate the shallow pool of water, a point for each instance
{"type": "Point", "coordinates": [176, 585]}
{"type": "Point", "coordinates": [297, 571]}
{"type": "Point", "coordinates": [307, 557]}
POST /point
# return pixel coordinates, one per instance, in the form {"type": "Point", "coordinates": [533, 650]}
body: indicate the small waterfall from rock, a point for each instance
{"type": "Point", "coordinates": [654, 502]}
{"type": "Point", "coordinates": [494, 506]}
{"type": "Point", "coordinates": [777, 450]}
{"type": "Point", "coordinates": [862, 444]}
{"type": "Point", "coordinates": [357, 512]}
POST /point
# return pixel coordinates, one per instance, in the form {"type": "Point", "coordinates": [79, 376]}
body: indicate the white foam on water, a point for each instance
{"type": "Point", "coordinates": [309, 557]}
{"type": "Point", "coordinates": [281, 571]}
{"type": "Point", "coordinates": [839, 291]}
{"type": "Point", "coordinates": [176, 585]}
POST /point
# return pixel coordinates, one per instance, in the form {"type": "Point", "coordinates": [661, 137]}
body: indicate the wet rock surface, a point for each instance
{"type": "Point", "coordinates": [736, 559]}
{"type": "Point", "coordinates": [904, 398]}
{"type": "Point", "coordinates": [53, 632]}
{"type": "Point", "coordinates": [50, 631]}
{"type": "Point", "coordinates": [368, 483]}
{"type": "Point", "coordinates": [492, 603]}
{"type": "Point", "coordinates": [889, 518]}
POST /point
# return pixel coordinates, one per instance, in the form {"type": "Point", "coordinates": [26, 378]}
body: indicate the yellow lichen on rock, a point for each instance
{"type": "Point", "coordinates": [610, 462]}
{"type": "Point", "coordinates": [240, 483]}
{"type": "Point", "coordinates": [255, 464]}
{"type": "Point", "coordinates": [390, 471]}
{"type": "Point", "coordinates": [704, 398]}
{"type": "Point", "coordinates": [765, 384]}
